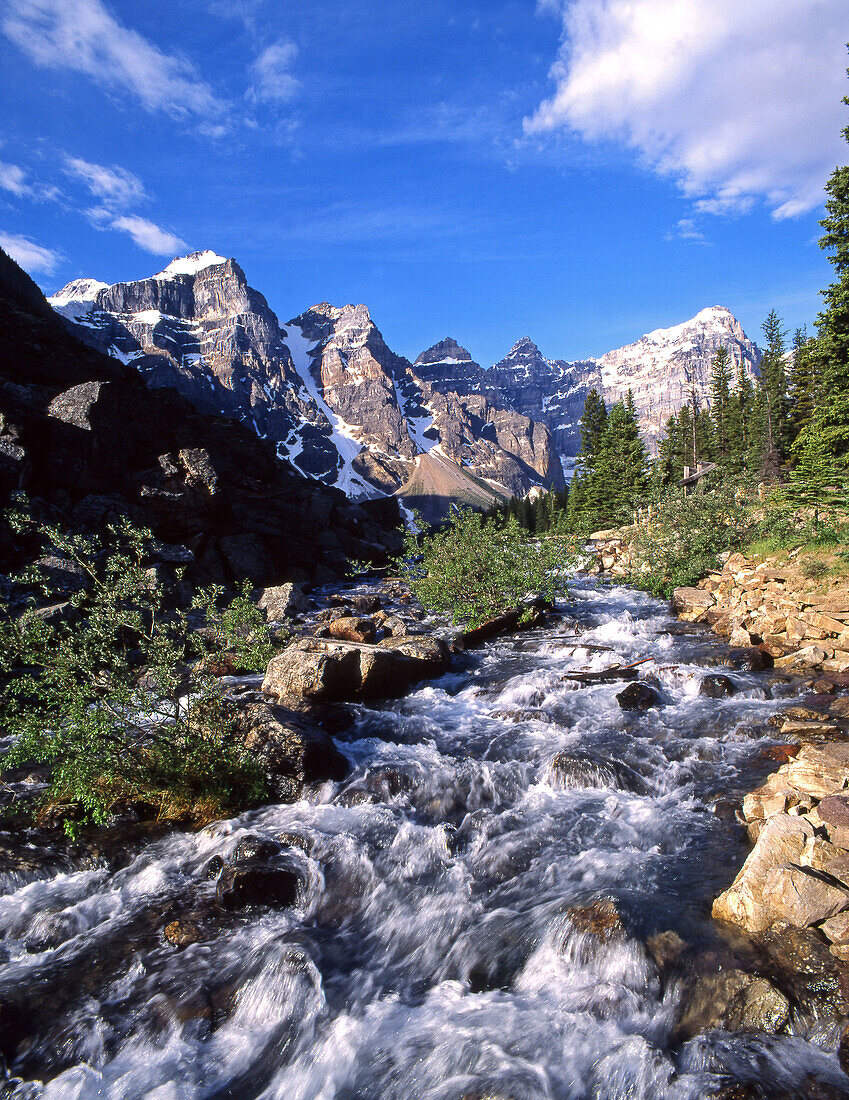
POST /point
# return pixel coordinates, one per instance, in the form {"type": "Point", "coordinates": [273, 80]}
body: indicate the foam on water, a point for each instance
{"type": "Point", "coordinates": [430, 953]}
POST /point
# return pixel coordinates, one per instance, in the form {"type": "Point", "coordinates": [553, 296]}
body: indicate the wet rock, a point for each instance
{"type": "Point", "coordinates": [380, 784]}
{"type": "Point", "coordinates": [352, 629]}
{"type": "Point", "coordinates": [182, 933]}
{"type": "Point", "coordinates": [780, 843]}
{"type": "Point", "coordinates": [587, 769]}
{"type": "Point", "coordinates": [528, 715]}
{"type": "Point", "coordinates": [253, 847]}
{"type": "Point", "coordinates": [804, 967]}
{"type": "Point", "coordinates": [394, 626]}
{"type": "Point", "coordinates": [247, 885]}
{"type": "Point", "coordinates": [759, 1007]}
{"type": "Point", "coordinates": [291, 750]}
{"type": "Point", "coordinates": [745, 659]}
{"type": "Point", "coordinates": [283, 602]}
{"type": "Point", "coordinates": [295, 840]}
{"type": "Point", "coordinates": [639, 696]}
{"type": "Point", "coordinates": [707, 999]}
{"type": "Point", "coordinates": [716, 686]}
{"type": "Point", "coordinates": [665, 949]}
{"type": "Point", "coordinates": [843, 1050]}
{"type": "Point", "coordinates": [212, 868]}
{"type": "Point", "coordinates": [600, 919]}
{"type": "Point", "coordinates": [366, 605]}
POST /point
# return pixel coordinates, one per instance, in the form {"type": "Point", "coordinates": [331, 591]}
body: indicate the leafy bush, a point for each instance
{"type": "Point", "coordinates": [684, 536]}
{"type": "Point", "coordinates": [117, 694]}
{"type": "Point", "coordinates": [475, 569]}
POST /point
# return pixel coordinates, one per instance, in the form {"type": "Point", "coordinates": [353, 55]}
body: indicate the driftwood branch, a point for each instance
{"type": "Point", "coordinates": [605, 675]}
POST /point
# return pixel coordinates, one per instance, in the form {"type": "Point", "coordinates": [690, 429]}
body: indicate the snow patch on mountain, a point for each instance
{"type": "Point", "coordinates": [76, 298]}
{"type": "Point", "coordinates": [191, 264]}
{"type": "Point", "coordinates": [341, 434]}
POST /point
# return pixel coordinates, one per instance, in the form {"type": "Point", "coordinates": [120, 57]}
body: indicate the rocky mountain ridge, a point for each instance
{"type": "Point", "coordinates": [89, 442]}
{"type": "Point", "coordinates": [341, 407]}
{"type": "Point", "coordinates": [337, 402]}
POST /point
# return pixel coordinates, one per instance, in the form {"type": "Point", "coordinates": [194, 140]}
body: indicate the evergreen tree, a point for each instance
{"type": "Point", "coordinates": [822, 447]}
{"type": "Point", "coordinates": [774, 385]}
{"type": "Point", "coordinates": [670, 460]}
{"type": "Point", "coordinates": [802, 382]}
{"type": "Point", "coordinates": [720, 392]}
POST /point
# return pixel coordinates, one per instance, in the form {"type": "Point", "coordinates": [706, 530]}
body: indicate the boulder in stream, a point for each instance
{"type": "Point", "coordinates": [291, 750]}
{"type": "Point", "coordinates": [335, 671]}
{"type": "Point", "coordinates": [276, 885]}
{"type": "Point", "coordinates": [283, 601]}
{"type": "Point", "coordinates": [716, 686]}
{"type": "Point", "coordinates": [587, 769]}
{"type": "Point", "coordinates": [639, 696]}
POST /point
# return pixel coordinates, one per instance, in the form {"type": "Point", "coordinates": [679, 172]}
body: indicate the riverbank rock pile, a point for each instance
{"type": "Point", "coordinates": [793, 621]}
{"type": "Point", "coordinates": [609, 552]}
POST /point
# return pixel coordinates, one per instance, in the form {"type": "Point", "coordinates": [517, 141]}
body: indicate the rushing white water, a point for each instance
{"type": "Point", "coordinates": [430, 955]}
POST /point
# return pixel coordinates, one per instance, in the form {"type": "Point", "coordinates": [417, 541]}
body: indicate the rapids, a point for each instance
{"type": "Point", "coordinates": [430, 956]}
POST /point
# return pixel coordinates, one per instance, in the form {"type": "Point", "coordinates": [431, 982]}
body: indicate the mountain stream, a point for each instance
{"type": "Point", "coordinates": [430, 954]}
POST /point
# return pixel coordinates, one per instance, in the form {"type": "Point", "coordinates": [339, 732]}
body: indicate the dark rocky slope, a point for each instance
{"type": "Point", "coordinates": [85, 434]}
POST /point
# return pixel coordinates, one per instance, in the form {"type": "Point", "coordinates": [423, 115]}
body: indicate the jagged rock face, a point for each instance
{"type": "Point", "coordinates": [449, 368]}
{"type": "Point", "coordinates": [495, 443]}
{"type": "Point", "coordinates": [197, 327]}
{"type": "Point", "coordinates": [663, 367]}
{"type": "Point", "coordinates": [548, 390]}
{"type": "Point", "coordinates": [84, 433]}
{"type": "Point", "coordinates": [373, 403]}
{"type": "Point", "coordinates": [339, 405]}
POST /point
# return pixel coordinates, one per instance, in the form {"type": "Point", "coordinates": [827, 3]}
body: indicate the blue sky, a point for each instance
{"type": "Point", "coordinates": [577, 171]}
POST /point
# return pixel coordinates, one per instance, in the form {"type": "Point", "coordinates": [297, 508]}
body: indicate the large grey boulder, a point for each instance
{"type": "Point", "coordinates": [335, 671]}
{"type": "Point", "coordinates": [283, 601]}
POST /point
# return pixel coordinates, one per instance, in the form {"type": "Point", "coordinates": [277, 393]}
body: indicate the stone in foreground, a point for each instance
{"type": "Point", "coordinates": [334, 671]}
{"type": "Point", "coordinates": [780, 843]}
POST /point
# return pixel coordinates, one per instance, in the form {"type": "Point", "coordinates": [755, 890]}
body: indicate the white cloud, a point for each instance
{"type": "Point", "coordinates": [149, 236]}
{"type": "Point", "coordinates": [272, 79]}
{"type": "Point", "coordinates": [14, 179]}
{"type": "Point", "coordinates": [31, 256]}
{"type": "Point", "coordinates": [686, 230]}
{"type": "Point", "coordinates": [739, 102]}
{"type": "Point", "coordinates": [115, 186]}
{"type": "Point", "coordinates": [84, 36]}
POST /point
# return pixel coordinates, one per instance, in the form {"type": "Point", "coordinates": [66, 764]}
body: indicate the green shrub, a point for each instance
{"type": "Point", "coordinates": [117, 694]}
{"type": "Point", "coordinates": [474, 569]}
{"type": "Point", "coordinates": [685, 535]}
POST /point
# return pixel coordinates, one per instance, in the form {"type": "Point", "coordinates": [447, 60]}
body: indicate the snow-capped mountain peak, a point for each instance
{"type": "Point", "coordinates": [191, 264]}
{"type": "Point", "coordinates": [77, 297]}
